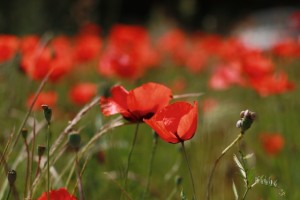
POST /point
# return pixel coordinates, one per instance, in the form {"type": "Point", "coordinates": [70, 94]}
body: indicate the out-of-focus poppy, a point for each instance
{"type": "Point", "coordinates": [137, 104]}
{"type": "Point", "coordinates": [128, 53]}
{"type": "Point", "coordinates": [272, 84]}
{"type": "Point", "coordinates": [37, 59]}
{"type": "Point", "coordinates": [8, 47]}
{"type": "Point", "coordinates": [82, 93]}
{"type": "Point", "coordinates": [48, 98]}
{"type": "Point", "coordinates": [176, 122]}
{"type": "Point", "coordinates": [225, 76]}
{"type": "Point", "coordinates": [272, 143]}
{"type": "Point", "coordinates": [59, 194]}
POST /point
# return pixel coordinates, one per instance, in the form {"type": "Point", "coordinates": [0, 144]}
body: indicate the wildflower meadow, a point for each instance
{"type": "Point", "coordinates": [139, 114]}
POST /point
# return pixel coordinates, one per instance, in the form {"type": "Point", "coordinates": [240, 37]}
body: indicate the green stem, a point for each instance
{"type": "Point", "coordinates": [190, 171]}
{"type": "Point", "coordinates": [48, 162]}
{"type": "Point", "coordinates": [130, 154]}
{"type": "Point", "coordinates": [150, 164]}
{"type": "Point", "coordinates": [9, 191]}
{"type": "Point", "coordinates": [81, 196]}
{"type": "Point", "coordinates": [27, 168]}
{"type": "Point", "coordinates": [31, 161]}
{"type": "Point", "coordinates": [239, 137]}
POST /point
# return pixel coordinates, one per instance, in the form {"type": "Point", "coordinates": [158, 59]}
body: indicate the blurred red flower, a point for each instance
{"type": "Point", "coordinates": [225, 76]}
{"type": "Point", "coordinates": [287, 48]}
{"type": "Point", "coordinates": [272, 84]}
{"type": "Point", "coordinates": [59, 194]}
{"type": "Point", "coordinates": [137, 104]}
{"type": "Point", "coordinates": [8, 47]}
{"type": "Point", "coordinates": [87, 47]}
{"type": "Point", "coordinates": [37, 59]}
{"type": "Point", "coordinates": [128, 53]}
{"type": "Point", "coordinates": [272, 143]}
{"type": "Point", "coordinates": [82, 93]}
{"type": "Point", "coordinates": [48, 98]}
{"type": "Point", "coordinates": [255, 64]}
{"type": "Point", "coordinates": [176, 122]}
{"type": "Point", "coordinates": [174, 44]}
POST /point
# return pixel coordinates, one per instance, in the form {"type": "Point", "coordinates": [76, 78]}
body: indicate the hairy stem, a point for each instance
{"type": "Point", "coordinates": [190, 171]}
{"type": "Point", "coordinates": [239, 137]}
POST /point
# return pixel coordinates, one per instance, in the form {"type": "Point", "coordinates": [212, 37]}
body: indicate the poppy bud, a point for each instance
{"type": "Point", "coordinates": [41, 150]}
{"type": "Point", "coordinates": [11, 176]}
{"type": "Point", "coordinates": [47, 112]}
{"type": "Point", "coordinates": [24, 133]}
{"type": "Point", "coordinates": [247, 118]}
{"type": "Point", "coordinates": [74, 140]}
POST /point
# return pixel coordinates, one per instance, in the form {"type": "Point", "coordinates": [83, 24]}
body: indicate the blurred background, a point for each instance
{"type": "Point", "coordinates": [259, 24]}
{"type": "Point", "coordinates": [35, 16]}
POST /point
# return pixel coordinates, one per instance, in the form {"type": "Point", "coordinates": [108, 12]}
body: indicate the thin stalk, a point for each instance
{"type": "Point", "coordinates": [248, 189]}
{"type": "Point", "coordinates": [190, 171]}
{"type": "Point", "coordinates": [48, 161]}
{"type": "Point", "coordinates": [79, 181]}
{"type": "Point", "coordinates": [9, 191]}
{"type": "Point", "coordinates": [32, 156]}
{"type": "Point", "coordinates": [239, 137]}
{"type": "Point", "coordinates": [41, 86]}
{"type": "Point", "coordinates": [118, 185]}
{"type": "Point", "coordinates": [27, 167]}
{"type": "Point", "coordinates": [150, 165]}
{"type": "Point", "coordinates": [130, 154]}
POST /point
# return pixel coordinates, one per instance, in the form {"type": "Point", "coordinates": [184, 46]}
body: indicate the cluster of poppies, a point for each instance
{"type": "Point", "coordinates": [149, 103]}
{"type": "Point", "coordinates": [128, 52]}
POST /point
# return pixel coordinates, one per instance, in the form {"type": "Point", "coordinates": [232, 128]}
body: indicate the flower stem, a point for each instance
{"type": "Point", "coordinates": [238, 138]}
{"type": "Point", "coordinates": [48, 161]}
{"type": "Point", "coordinates": [130, 154]}
{"type": "Point", "coordinates": [190, 171]}
{"type": "Point", "coordinates": [81, 196]}
{"type": "Point", "coordinates": [27, 168]}
{"type": "Point", "coordinates": [150, 164]}
{"type": "Point", "coordinates": [9, 191]}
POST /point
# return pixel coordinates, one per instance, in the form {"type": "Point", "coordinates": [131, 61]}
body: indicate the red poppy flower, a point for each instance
{"type": "Point", "coordinates": [174, 43]}
{"type": "Point", "coordinates": [8, 47]}
{"type": "Point", "coordinates": [137, 104]}
{"type": "Point", "coordinates": [37, 59]}
{"type": "Point", "coordinates": [225, 76]}
{"type": "Point", "coordinates": [255, 64]}
{"type": "Point", "coordinates": [128, 53]}
{"type": "Point", "coordinates": [59, 194]}
{"type": "Point", "coordinates": [82, 93]}
{"type": "Point", "coordinates": [87, 47]}
{"type": "Point", "coordinates": [176, 122]}
{"type": "Point", "coordinates": [272, 84]}
{"type": "Point", "coordinates": [272, 143]}
{"type": "Point", "coordinates": [48, 98]}
{"type": "Point", "coordinates": [286, 48]}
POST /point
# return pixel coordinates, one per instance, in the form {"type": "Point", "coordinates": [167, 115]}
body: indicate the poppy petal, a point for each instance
{"type": "Point", "coordinates": [188, 124]}
{"type": "Point", "coordinates": [160, 129]}
{"type": "Point", "coordinates": [148, 98]}
{"type": "Point", "coordinates": [115, 104]}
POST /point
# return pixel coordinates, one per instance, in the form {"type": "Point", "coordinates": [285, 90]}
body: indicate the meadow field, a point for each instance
{"type": "Point", "coordinates": [137, 115]}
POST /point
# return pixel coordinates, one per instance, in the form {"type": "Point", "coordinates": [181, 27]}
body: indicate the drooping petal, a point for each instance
{"type": "Point", "coordinates": [188, 124]}
{"type": "Point", "coordinates": [160, 129]}
{"type": "Point", "coordinates": [148, 99]}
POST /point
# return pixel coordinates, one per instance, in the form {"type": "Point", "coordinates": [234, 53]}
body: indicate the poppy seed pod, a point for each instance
{"type": "Point", "coordinates": [11, 176]}
{"type": "Point", "coordinates": [247, 118]}
{"type": "Point", "coordinates": [47, 112]}
{"type": "Point", "coordinates": [41, 150]}
{"type": "Point", "coordinates": [74, 140]}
